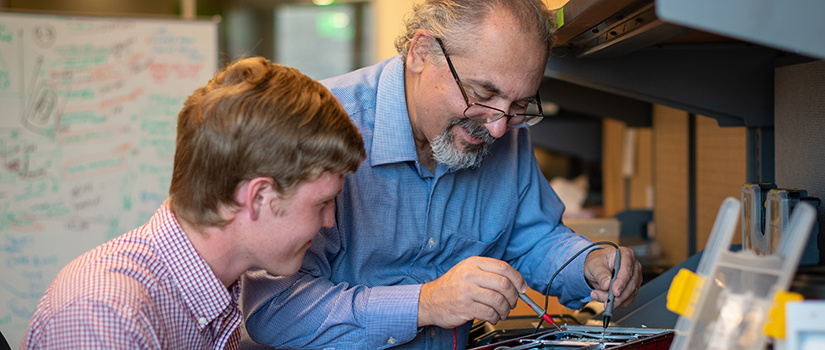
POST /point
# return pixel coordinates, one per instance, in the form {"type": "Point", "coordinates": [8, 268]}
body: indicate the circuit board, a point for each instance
{"type": "Point", "coordinates": [575, 337]}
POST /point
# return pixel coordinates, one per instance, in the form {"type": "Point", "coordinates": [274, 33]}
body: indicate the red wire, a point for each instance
{"type": "Point", "coordinates": [455, 339]}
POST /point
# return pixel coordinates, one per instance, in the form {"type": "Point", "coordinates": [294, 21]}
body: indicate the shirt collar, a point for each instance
{"type": "Point", "coordinates": [202, 291]}
{"type": "Point", "coordinates": [392, 137]}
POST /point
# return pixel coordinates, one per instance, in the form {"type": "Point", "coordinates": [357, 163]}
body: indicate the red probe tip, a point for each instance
{"type": "Point", "coordinates": [547, 318]}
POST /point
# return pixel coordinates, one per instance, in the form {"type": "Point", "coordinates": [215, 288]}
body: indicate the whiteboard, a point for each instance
{"type": "Point", "coordinates": [88, 113]}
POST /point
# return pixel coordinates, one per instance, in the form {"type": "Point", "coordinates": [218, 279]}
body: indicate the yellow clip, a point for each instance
{"type": "Point", "coordinates": [775, 324]}
{"type": "Point", "coordinates": [683, 294]}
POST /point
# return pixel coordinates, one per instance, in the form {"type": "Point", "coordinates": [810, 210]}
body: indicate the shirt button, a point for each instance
{"type": "Point", "coordinates": [431, 242]}
{"type": "Point", "coordinates": [202, 321]}
{"type": "Point", "coordinates": [432, 333]}
{"type": "Point", "coordinates": [391, 341]}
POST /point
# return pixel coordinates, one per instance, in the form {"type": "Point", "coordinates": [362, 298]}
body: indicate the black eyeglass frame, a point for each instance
{"type": "Point", "coordinates": [529, 119]}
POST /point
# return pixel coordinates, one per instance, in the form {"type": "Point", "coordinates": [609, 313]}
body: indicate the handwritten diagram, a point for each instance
{"type": "Point", "coordinates": [88, 111]}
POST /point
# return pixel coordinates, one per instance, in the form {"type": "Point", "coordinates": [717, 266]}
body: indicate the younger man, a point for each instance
{"type": "Point", "coordinates": [261, 153]}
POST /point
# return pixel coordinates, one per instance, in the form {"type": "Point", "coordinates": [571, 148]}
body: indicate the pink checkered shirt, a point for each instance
{"type": "Point", "coordinates": [147, 289]}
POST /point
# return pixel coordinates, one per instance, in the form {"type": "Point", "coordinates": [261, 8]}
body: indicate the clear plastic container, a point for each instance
{"type": "Point", "coordinates": [734, 292]}
{"type": "Point", "coordinates": [754, 237]}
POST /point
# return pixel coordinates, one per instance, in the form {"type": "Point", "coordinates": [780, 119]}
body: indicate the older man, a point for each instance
{"type": "Point", "coordinates": [449, 218]}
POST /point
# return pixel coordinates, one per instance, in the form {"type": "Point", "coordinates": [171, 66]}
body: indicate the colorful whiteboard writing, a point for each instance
{"type": "Point", "coordinates": [88, 112]}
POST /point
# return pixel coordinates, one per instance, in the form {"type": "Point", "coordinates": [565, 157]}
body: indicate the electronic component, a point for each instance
{"type": "Point", "coordinates": [575, 337]}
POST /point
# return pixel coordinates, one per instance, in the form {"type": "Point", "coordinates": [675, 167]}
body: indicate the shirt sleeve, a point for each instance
{"type": "Point", "coordinates": [328, 315]}
{"type": "Point", "coordinates": [541, 244]}
{"type": "Point", "coordinates": [88, 324]}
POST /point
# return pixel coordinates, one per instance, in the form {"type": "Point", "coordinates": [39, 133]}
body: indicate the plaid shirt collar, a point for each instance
{"type": "Point", "coordinates": [202, 291]}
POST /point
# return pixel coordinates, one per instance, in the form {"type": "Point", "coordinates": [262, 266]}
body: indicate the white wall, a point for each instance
{"type": "Point", "coordinates": [390, 22]}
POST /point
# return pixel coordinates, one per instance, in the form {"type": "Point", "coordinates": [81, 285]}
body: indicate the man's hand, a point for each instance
{"type": "Point", "coordinates": [598, 268]}
{"type": "Point", "coordinates": [476, 288]}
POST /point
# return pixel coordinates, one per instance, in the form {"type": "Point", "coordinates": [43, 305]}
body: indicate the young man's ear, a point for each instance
{"type": "Point", "coordinates": [254, 195]}
{"type": "Point", "coordinates": [419, 50]}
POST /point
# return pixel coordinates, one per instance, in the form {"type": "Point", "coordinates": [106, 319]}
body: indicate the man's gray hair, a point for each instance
{"type": "Point", "coordinates": [455, 21]}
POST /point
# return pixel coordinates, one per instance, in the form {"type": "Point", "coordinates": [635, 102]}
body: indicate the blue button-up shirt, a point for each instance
{"type": "Point", "coordinates": [398, 225]}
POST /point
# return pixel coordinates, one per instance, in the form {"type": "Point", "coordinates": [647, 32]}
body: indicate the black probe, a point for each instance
{"type": "Point", "coordinates": [608, 305]}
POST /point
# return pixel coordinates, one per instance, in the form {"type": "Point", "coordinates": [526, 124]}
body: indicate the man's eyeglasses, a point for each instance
{"type": "Point", "coordinates": [531, 115]}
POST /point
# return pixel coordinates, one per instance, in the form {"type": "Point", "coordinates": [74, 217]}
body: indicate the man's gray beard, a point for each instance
{"type": "Point", "coordinates": [471, 156]}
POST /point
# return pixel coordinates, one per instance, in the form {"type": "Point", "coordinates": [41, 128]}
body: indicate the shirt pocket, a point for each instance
{"type": "Point", "coordinates": [462, 246]}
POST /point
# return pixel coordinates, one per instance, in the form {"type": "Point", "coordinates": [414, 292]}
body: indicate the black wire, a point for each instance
{"type": "Point", "coordinates": [547, 290]}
